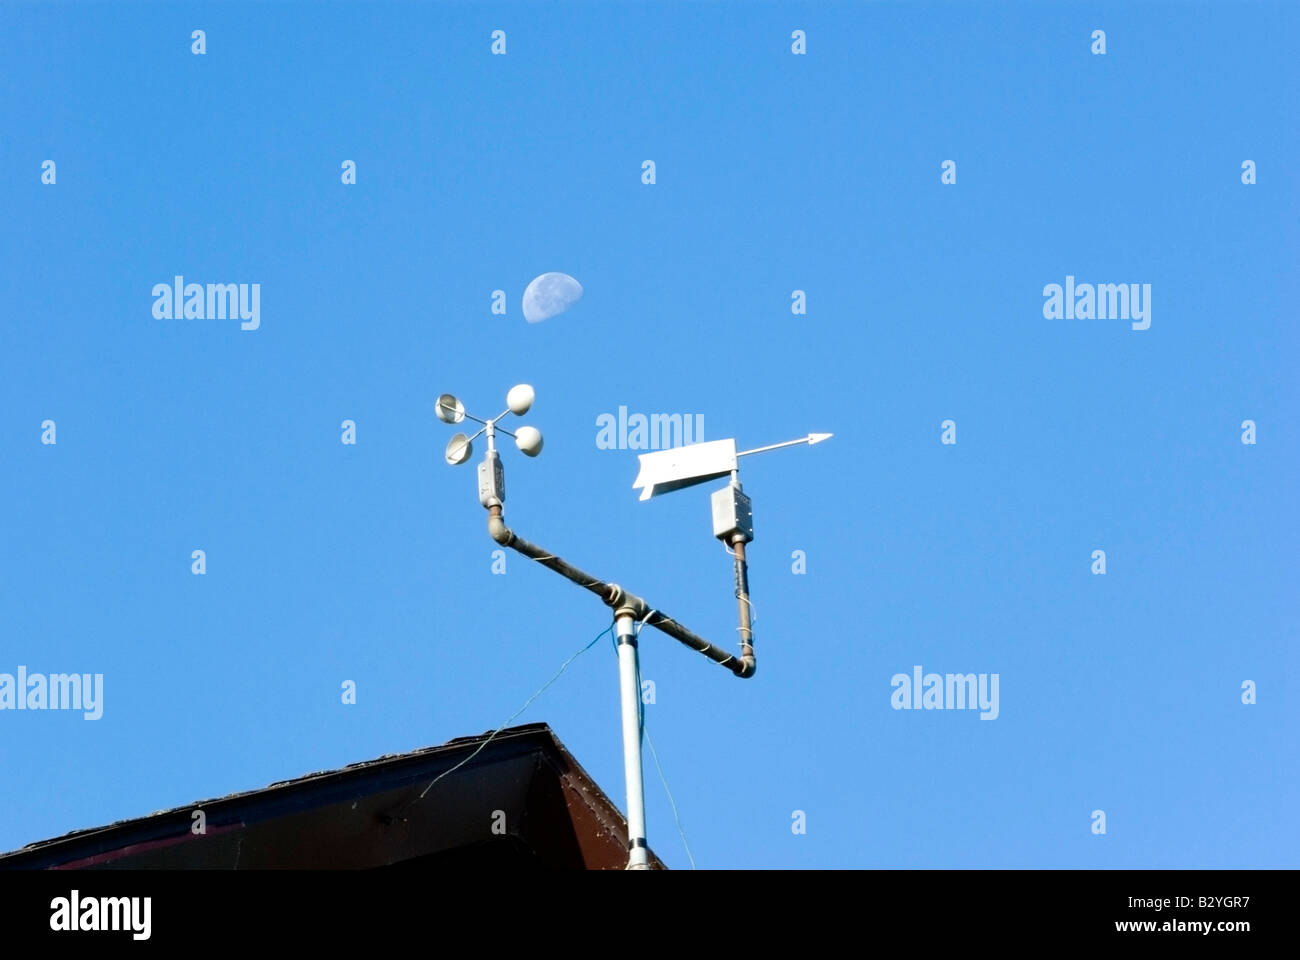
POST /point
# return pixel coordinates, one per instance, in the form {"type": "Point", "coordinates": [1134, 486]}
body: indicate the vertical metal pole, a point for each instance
{"type": "Point", "coordinates": [638, 852]}
{"type": "Point", "coordinates": [742, 597]}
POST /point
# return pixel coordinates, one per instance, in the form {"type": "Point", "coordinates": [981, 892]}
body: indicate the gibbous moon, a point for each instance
{"type": "Point", "coordinates": [550, 294]}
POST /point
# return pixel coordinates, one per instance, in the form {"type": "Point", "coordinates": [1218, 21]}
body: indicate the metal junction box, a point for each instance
{"type": "Point", "coordinates": [732, 514]}
{"type": "Point", "coordinates": [491, 481]}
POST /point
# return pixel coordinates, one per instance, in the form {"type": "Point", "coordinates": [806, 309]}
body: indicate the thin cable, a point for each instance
{"type": "Point", "coordinates": [753, 614]}
{"type": "Point", "coordinates": [640, 698]}
{"type": "Point", "coordinates": [671, 802]}
{"type": "Point", "coordinates": [564, 666]}
{"type": "Point", "coordinates": [655, 754]}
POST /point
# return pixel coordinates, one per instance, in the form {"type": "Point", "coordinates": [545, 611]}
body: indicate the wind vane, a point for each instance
{"type": "Point", "coordinates": [661, 472]}
{"type": "Point", "coordinates": [667, 470]}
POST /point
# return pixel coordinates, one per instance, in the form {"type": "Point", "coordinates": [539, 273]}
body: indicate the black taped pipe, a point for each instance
{"type": "Point", "coordinates": [619, 599]}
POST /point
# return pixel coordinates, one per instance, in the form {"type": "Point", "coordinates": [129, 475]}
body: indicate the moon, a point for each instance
{"type": "Point", "coordinates": [549, 295]}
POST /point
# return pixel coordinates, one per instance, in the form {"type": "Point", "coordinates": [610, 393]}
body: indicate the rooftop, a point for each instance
{"type": "Point", "coordinates": [519, 801]}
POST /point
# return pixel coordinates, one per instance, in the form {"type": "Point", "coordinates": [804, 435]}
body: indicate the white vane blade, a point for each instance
{"type": "Point", "coordinates": [672, 469]}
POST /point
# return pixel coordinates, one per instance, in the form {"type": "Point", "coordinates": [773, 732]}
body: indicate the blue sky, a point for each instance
{"type": "Point", "coordinates": [774, 172]}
